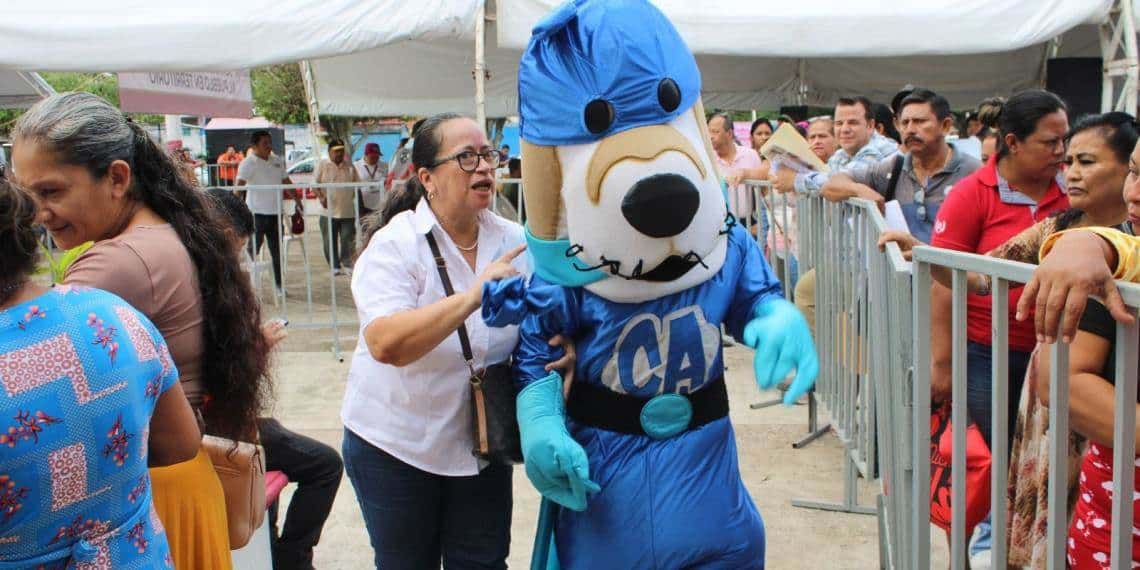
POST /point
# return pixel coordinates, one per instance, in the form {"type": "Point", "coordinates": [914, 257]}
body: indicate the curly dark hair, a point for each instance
{"type": "Point", "coordinates": [83, 129]}
{"type": "Point", "coordinates": [17, 232]}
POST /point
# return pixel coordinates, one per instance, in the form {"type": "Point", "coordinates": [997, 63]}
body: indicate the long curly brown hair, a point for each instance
{"type": "Point", "coordinates": [17, 232]}
{"type": "Point", "coordinates": [83, 129]}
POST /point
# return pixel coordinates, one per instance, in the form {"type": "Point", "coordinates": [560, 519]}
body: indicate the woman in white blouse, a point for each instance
{"type": "Point", "coordinates": [408, 441]}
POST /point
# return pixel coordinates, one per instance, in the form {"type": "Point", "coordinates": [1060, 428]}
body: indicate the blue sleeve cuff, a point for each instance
{"type": "Point", "coordinates": [508, 301]}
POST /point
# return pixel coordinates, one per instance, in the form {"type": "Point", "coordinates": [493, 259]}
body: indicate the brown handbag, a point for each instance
{"type": "Point", "coordinates": [494, 424]}
{"type": "Point", "coordinates": [241, 468]}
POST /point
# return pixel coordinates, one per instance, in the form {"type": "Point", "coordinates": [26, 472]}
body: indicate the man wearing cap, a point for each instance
{"type": "Point", "coordinates": [371, 168]}
{"type": "Point", "coordinates": [340, 207]}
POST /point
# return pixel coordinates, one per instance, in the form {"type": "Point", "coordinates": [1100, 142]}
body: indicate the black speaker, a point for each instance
{"type": "Point", "coordinates": [1078, 81]}
{"type": "Point", "coordinates": [796, 112]}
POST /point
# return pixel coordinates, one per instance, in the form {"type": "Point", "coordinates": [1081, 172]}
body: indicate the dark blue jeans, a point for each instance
{"type": "Point", "coordinates": [979, 388]}
{"type": "Point", "coordinates": [415, 518]}
{"type": "Point", "coordinates": [316, 468]}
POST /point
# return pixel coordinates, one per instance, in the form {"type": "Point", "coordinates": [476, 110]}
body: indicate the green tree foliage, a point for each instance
{"type": "Point", "coordinates": [279, 94]}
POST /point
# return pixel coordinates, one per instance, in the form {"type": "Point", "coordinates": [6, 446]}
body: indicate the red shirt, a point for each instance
{"type": "Point", "coordinates": [980, 213]}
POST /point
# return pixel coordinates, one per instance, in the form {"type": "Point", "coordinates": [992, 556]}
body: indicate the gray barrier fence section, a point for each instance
{"type": "Point", "coordinates": [1004, 275]}
{"type": "Point", "coordinates": [863, 303]}
{"type": "Point", "coordinates": [262, 261]}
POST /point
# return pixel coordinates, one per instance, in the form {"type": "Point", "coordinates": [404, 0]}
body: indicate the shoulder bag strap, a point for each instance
{"type": "Point", "coordinates": [893, 183]}
{"type": "Point", "coordinates": [441, 265]}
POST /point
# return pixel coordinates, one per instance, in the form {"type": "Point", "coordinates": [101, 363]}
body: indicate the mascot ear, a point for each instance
{"type": "Point", "coordinates": [703, 125]}
{"type": "Point", "coordinates": [542, 187]}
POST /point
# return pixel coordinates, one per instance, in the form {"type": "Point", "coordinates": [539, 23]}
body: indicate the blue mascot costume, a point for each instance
{"type": "Point", "coordinates": [638, 260]}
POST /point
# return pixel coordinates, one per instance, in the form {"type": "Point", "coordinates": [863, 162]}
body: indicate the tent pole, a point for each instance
{"type": "Point", "coordinates": [314, 108]}
{"type": "Point", "coordinates": [481, 65]}
{"type": "Point", "coordinates": [801, 82]}
{"type": "Point", "coordinates": [1119, 53]}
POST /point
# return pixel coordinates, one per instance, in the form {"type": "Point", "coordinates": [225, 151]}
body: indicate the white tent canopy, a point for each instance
{"type": "Point", "coordinates": [20, 89]}
{"type": "Point", "coordinates": [752, 54]}
{"type": "Point", "coordinates": [170, 35]}
{"type": "Point", "coordinates": [391, 57]}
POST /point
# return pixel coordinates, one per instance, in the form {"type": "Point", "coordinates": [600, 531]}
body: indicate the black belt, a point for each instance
{"type": "Point", "coordinates": [600, 407]}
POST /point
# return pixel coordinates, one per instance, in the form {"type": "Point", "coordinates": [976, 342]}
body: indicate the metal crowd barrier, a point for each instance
{"type": "Point", "coordinates": [863, 301]}
{"type": "Point", "coordinates": [210, 175]}
{"type": "Point", "coordinates": [1003, 274]}
{"type": "Point", "coordinates": [262, 261]}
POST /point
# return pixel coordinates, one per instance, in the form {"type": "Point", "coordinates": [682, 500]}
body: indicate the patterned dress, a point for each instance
{"type": "Point", "coordinates": [81, 373]}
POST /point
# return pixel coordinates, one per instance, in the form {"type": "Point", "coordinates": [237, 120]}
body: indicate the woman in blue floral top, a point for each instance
{"type": "Point", "coordinates": [81, 373]}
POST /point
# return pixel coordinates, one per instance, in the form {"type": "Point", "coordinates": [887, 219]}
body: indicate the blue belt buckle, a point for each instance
{"type": "Point", "coordinates": [666, 415]}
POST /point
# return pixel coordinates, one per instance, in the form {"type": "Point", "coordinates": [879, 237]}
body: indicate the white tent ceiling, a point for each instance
{"type": "Point", "coordinates": [390, 57]}
{"type": "Point", "coordinates": [750, 53]}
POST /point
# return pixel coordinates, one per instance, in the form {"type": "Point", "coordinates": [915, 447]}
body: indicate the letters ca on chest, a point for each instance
{"type": "Point", "coordinates": [672, 354]}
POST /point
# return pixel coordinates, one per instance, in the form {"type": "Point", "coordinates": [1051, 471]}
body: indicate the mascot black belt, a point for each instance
{"type": "Point", "coordinates": [660, 417]}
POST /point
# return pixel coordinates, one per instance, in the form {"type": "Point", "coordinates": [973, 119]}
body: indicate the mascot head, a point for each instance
{"type": "Point", "coordinates": [621, 190]}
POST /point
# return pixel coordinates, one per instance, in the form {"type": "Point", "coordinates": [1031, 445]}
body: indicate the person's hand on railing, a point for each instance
{"type": "Point", "coordinates": [905, 241]}
{"type": "Point", "coordinates": [783, 180]}
{"type": "Point", "coordinates": [1076, 268]}
{"type": "Point", "coordinates": [734, 178]}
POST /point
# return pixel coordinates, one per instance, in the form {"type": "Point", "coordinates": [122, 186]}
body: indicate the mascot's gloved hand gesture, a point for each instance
{"type": "Point", "coordinates": [555, 463]}
{"type": "Point", "coordinates": [782, 340]}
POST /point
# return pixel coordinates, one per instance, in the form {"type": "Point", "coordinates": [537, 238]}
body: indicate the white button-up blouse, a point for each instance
{"type": "Point", "coordinates": [420, 413]}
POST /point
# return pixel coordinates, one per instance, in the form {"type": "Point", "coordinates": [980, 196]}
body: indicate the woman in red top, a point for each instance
{"type": "Point", "coordinates": [1018, 187]}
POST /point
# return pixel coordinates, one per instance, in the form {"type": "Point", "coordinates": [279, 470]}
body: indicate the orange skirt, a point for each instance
{"type": "Point", "coordinates": [192, 506]}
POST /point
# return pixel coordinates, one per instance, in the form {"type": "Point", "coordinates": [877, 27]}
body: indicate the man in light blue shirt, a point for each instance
{"type": "Point", "coordinates": [859, 146]}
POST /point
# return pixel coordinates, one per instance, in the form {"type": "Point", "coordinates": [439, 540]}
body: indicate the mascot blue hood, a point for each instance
{"type": "Point", "coordinates": [595, 68]}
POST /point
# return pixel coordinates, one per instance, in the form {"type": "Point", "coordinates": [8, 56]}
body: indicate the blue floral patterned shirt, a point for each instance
{"type": "Point", "coordinates": [81, 372]}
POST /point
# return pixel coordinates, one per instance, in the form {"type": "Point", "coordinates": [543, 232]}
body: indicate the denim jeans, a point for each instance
{"type": "Point", "coordinates": [979, 388]}
{"type": "Point", "coordinates": [415, 518]}
{"type": "Point", "coordinates": [342, 241]}
{"type": "Point", "coordinates": [316, 469]}
{"type": "Point", "coordinates": [979, 402]}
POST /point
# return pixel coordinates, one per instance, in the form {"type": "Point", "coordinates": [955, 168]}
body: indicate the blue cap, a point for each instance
{"type": "Point", "coordinates": [595, 68]}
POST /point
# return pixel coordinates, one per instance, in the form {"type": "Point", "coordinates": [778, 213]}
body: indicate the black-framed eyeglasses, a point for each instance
{"type": "Point", "coordinates": [469, 160]}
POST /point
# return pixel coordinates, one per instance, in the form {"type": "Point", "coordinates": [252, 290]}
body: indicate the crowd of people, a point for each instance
{"type": "Point", "coordinates": [162, 337]}
{"type": "Point", "coordinates": [1038, 178]}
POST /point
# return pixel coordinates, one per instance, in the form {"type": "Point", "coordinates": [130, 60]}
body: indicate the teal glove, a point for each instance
{"type": "Point", "coordinates": [555, 464]}
{"type": "Point", "coordinates": [782, 340]}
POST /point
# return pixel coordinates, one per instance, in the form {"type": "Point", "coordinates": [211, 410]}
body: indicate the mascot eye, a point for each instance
{"type": "Point", "coordinates": [668, 95]}
{"type": "Point", "coordinates": [599, 116]}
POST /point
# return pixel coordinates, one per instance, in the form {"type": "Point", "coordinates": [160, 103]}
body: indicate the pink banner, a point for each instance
{"type": "Point", "coordinates": [212, 94]}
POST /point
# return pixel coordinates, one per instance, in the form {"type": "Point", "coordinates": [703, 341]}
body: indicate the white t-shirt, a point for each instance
{"type": "Point", "coordinates": [421, 413]}
{"type": "Point", "coordinates": [255, 171]}
{"type": "Point", "coordinates": [372, 197]}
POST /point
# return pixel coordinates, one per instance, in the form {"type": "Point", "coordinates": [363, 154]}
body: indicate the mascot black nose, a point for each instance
{"type": "Point", "coordinates": [661, 205]}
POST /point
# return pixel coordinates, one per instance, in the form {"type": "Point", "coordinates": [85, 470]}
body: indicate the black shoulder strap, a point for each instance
{"type": "Point", "coordinates": [893, 183]}
{"type": "Point", "coordinates": [449, 291]}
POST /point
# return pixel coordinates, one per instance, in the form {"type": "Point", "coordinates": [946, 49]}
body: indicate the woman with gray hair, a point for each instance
{"type": "Point", "coordinates": [99, 177]}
